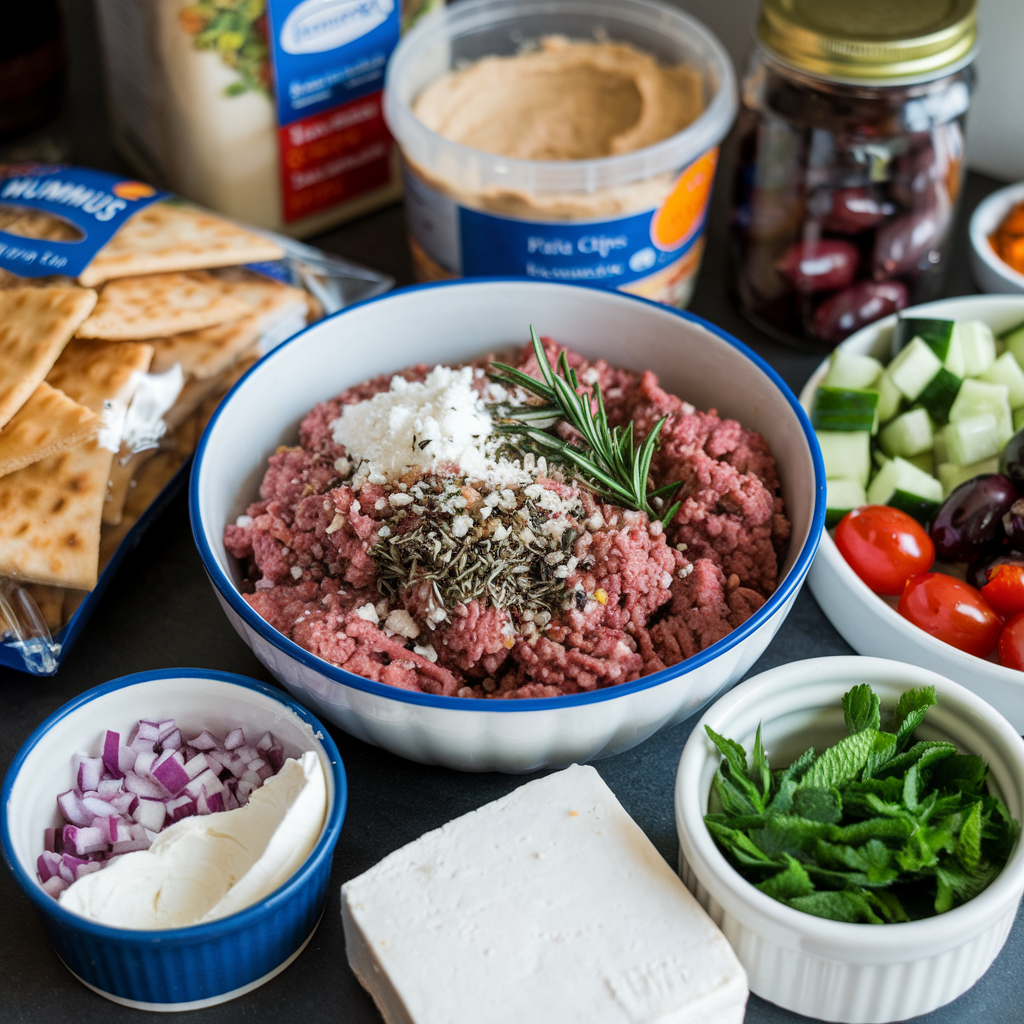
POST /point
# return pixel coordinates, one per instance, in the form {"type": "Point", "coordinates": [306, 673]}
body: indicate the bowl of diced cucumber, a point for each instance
{"type": "Point", "coordinates": [905, 411]}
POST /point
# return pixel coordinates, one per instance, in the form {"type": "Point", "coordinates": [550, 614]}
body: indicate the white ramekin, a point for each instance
{"type": "Point", "coordinates": [855, 973]}
{"type": "Point", "coordinates": [990, 272]}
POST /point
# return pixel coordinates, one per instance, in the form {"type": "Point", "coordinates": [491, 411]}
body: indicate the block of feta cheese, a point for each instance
{"type": "Point", "coordinates": [549, 906]}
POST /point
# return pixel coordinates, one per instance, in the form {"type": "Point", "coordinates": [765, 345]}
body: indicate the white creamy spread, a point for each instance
{"type": "Point", "coordinates": [441, 421]}
{"type": "Point", "coordinates": [209, 866]}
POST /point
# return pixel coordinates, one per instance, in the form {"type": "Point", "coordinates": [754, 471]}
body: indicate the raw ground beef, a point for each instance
{"type": "Point", "coordinates": [640, 597]}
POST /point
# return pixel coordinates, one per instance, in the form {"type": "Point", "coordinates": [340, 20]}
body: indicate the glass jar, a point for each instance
{"type": "Point", "coordinates": [850, 161]}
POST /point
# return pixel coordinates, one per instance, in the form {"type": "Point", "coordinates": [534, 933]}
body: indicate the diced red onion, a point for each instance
{"type": "Point", "coordinates": [70, 804]}
{"type": "Point", "coordinates": [89, 771]}
{"type": "Point", "coordinates": [204, 741]}
{"type": "Point", "coordinates": [125, 797]}
{"type": "Point", "coordinates": [148, 788]}
{"type": "Point", "coordinates": [54, 886]}
{"type": "Point", "coordinates": [150, 813]}
{"type": "Point", "coordinates": [170, 772]}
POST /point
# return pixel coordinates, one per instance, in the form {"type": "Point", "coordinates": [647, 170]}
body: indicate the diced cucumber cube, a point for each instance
{"type": "Point", "coordinates": [924, 462]}
{"type": "Point", "coordinates": [1006, 370]}
{"type": "Point", "coordinates": [879, 457]}
{"type": "Point", "coordinates": [900, 475]}
{"type": "Point", "coordinates": [940, 394]}
{"type": "Point", "coordinates": [851, 370]}
{"type": "Point", "coordinates": [922, 509]}
{"type": "Point", "coordinates": [846, 454]}
{"type": "Point", "coordinates": [936, 334]}
{"type": "Point", "coordinates": [951, 477]}
{"type": "Point", "coordinates": [978, 344]}
{"type": "Point", "coordinates": [914, 367]}
{"type": "Point", "coordinates": [1013, 339]}
{"type": "Point", "coordinates": [844, 409]}
{"type": "Point", "coordinates": [972, 439]}
{"type": "Point", "coordinates": [979, 396]}
{"type": "Point", "coordinates": [841, 496]}
{"type": "Point", "coordinates": [909, 434]}
{"type": "Point", "coordinates": [890, 398]}
{"type": "Point", "coordinates": [940, 450]}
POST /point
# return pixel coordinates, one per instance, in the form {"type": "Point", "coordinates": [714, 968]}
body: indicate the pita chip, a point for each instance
{"type": "Point", "coordinates": [162, 304]}
{"type": "Point", "coordinates": [50, 518]}
{"type": "Point", "coordinates": [166, 237]}
{"type": "Point", "coordinates": [206, 353]}
{"type": "Point", "coordinates": [49, 422]}
{"type": "Point", "coordinates": [35, 325]}
{"type": "Point", "coordinates": [94, 374]}
{"type": "Point", "coordinates": [196, 392]}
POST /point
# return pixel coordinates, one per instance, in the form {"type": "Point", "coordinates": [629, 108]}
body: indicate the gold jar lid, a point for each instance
{"type": "Point", "coordinates": [869, 40]}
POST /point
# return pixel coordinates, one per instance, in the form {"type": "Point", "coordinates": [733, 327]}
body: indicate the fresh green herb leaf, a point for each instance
{"type": "Point", "coordinates": [841, 762]}
{"type": "Point", "coordinates": [607, 460]}
{"type": "Point", "coordinates": [852, 907]}
{"type": "Point", "coordinates": [860, 709]}
{"type": "Point", "coordinates": [789, 883]}
{"type": "Point", "coordinates": [876, 829]}
{"type": "Point", "coordinates": [824, 805]}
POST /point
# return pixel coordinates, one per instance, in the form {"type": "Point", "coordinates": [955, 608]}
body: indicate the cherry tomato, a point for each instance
{"type": "Point", "coordinates": [1011, 644]}
{"type": "Point", "coordinates": [1004, 591]}
{"type": "Point", "coordinates": [884, 547]}
{"type": "Point", "coordinates": [952, 611]}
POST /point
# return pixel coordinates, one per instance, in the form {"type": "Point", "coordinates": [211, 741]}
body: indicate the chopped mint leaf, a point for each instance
{"type": "Point", "coordinates": [842, 762]}
{"type": "Point", "coordinates": [860, 709]}
{"type": "Point", "coordinates": [789, 883]}
{"type": "Point", "coordinates": [876, 829]}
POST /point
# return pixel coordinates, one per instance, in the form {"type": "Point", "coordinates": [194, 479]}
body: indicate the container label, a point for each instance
{"type": "Point", "coordinates": [654, 252]}
{"type": "Point", "coordinates": [82, 209]}
{"type": "Point", "coordinates": [329, 58]}
{"type": "Point", "coordinates": [330, 157]}
{"type": "Point", "coordinates": [328, 52]}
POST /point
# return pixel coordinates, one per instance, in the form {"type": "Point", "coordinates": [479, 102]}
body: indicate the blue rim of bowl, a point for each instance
{"type": "Point", "coordinates": [193, 933]}
{"type": "Point", "coordinates": [789, 586]}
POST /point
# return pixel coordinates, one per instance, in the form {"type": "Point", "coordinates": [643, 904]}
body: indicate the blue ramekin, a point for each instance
{"type": "Point", "coordinates": [180, 968]}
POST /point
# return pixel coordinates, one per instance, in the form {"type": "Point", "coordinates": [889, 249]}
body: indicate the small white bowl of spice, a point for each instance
{"type": "Point", "coordinates": [877, 875]}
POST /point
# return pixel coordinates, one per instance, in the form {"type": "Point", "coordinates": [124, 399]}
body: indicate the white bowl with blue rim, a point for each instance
{"type": "Point", "coordinates": [178, 968]}
{"type": "Point", "coordinates": [453, 322]}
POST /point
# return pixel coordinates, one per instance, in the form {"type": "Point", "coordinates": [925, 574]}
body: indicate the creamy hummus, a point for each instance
{"type": "Point", "coordinates": [563, 100]}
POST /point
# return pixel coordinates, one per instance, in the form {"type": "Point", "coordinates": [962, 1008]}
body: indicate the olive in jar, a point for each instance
{"type": "Point", "coordinates": [850, 148]}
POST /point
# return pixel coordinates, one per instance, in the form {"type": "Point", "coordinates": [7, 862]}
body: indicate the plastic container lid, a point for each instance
{"type": "Point", "coordinates": [467, 31]}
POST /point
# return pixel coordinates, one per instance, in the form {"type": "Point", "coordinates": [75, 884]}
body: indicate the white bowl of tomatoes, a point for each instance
{"type": "Point", "coordinates": [939, 621]}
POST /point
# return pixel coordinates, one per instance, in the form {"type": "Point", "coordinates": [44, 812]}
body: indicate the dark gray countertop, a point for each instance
{"type": "Point", "coordinates": [160, 612]}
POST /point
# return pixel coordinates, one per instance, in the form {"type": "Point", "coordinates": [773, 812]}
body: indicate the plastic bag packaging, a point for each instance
{"type": "Point", "coordinates": [152, 423]}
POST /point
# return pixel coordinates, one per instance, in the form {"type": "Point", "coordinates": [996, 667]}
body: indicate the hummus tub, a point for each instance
{"type": "Point", "coordinates": [452, 323]}
{"type": "Point", "coordinates": [632, 221]}
{"type": "Point", "coordinates": [177, 968]}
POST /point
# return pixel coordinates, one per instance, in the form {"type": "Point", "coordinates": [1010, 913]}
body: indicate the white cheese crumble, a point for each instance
{"type": "Point", "coordinates": [367, 612]}
{"type": "Point", "coordinates": [423, 425]}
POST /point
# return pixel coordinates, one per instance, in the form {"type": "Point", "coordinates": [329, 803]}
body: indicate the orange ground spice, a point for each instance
{"type": "Point", "coordinates": [1008, 240]}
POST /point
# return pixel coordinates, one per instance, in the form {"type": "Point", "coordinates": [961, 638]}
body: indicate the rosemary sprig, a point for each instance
{"type": "Point", "coordinates": [609, 463]}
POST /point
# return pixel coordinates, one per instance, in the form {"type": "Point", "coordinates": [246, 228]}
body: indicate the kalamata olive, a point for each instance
{"type": "Point", "coordinates": [976, 573]}
{"type": "Point", "coordinates": [820, 266]}
{"type": "Point", "coordinates": [1011, 462]}
{"type": "Point", "coordinates": [911, 242]}
{"type": "Point", "coordinates": [970, 519]}
{"type": "Point", "coordinates": [1013, 523]}
{"type": "Point", "coordinates": [852, 210]}
{"type": "Point", "coordinates": [849, 310]}
{"type": "Point", "coordinates": [915, 172]}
